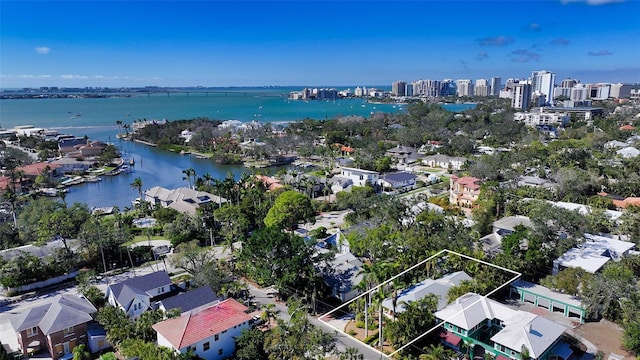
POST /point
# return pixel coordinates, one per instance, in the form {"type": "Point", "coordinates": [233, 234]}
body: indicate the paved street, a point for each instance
{"type": "Point", "coordinates": [342, 341]}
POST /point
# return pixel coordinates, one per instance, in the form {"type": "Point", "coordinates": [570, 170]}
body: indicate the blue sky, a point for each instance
{"type": "Point", "coordinates": [242, 43]}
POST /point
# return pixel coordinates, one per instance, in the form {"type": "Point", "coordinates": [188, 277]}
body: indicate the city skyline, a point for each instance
{"type": "Point", "coordinates": [215, 43]}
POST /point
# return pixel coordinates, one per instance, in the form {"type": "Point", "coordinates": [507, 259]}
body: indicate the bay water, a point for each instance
{"type": "Point", "coordinates": [96, 118]}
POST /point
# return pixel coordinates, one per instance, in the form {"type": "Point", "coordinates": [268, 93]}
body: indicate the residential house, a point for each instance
{"type": "Point", "coordinates": [593, 253]}
{"type": "Point", "coordinates": [438, 287]}
{"type": "Point", "coordinates": [535, 181]}
{"type": "Point", "coordinates": [464, 191]}
{"type": "Point", "coordinates": [42, 251]}
{"type": "Point", "coordinates": [444, 161]}
{"type": "Point", "coordinates": [56, 327]}
{"type": "Point", "coordinates": [182, 199]}
{"type": "Point", "coordinates": [360, 177]}
{"type": "Point", "coordinates": [187, 301]}
{"type": "Point", "coordinates": [398, 182]}
{"type": "Point", "coordinates": [403, 155]}
{"type": "Point", "coordinates": [40, 168]}
{"type": "Point", "coordinates": [91, 149]}
{"type": "Point", "coordinates": [539, 296]}
{"type": "Point", "coordinates": [628, 152]}
{"type": "Point", "coordinates": [186, 134]}
{"type": "Point", "coordinates": [67, 165]}
{"type": "Point", "coordinates": [629, 201]}
{"type": "Point", "coordinates": [615, 144]}
{"type": "Point", "coordinates": [208, 332]}
{"type": "Point", "coordinates": [69, 145]}
{"type": "Point", "coordinates": [340, 183]}
{"type": "Point", "coordinates": [489, 327]}
{"type": "Point", "coordinates": [269, 183]}
{"type": "Point", "coordinates": [139, 294]}
{"type": "Point", "coordinates": [613, 215]}
{"type": "Point", "coordinates": [345, 277]}
{"type": "Point", "coordinates": [492, 243]}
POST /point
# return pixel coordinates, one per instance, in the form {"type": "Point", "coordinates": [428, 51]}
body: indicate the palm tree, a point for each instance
{"type": "Point", "coordinates": [378, 298]}
{"type": "Point", "coordinates": [207, 178]}
{"type": "Point", "coordinates": [351, 354]}
{"type": "Point", "coordinates": [119, 123]}
{"type": "Point", "coordinates": [189, 173]}
{"type": "Point", "coordinates": [269, 313]}
{"type": "Point", "coordinates": [137, 185]}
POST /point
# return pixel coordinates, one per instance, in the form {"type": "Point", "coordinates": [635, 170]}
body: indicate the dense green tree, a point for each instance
{"type": "Point", "coordinates": [297, 339]}
{"type": "Point", "coordinates": [31, 214]}
{"type": "Point", "coordinates": [250, 345]}
{"type": "Point", "coordinates": [272, 257]}
{"type": "Point", "coordinates": [290, 209]}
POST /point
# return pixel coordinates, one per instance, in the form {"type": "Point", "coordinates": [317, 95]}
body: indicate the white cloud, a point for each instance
{"type": "Point", "coordinates": [43, 50]}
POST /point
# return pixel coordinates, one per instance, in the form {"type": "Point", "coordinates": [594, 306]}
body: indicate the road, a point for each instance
{"type": "Point", "coordinates": [342, 341]}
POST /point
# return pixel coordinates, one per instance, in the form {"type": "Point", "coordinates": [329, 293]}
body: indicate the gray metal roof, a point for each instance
{"type": "Point", "coordinates": [190, 300]}
{"type": "Point", "coordinates": [125, 291]}
{"type": "Point", "coordinates": [63, 312]}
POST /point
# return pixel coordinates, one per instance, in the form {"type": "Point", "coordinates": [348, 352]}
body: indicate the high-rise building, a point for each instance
{"type": "Point", "coordinates": [481, 88]}
{"type": "Point", "coordinates": [619, 91]}
{"type": "Point", "coordinates": [464, 87]}
{"type": "Point", "coordinates": [495, 85]}
{"type": "Point", "coordinates": [408, 89]}
{"type": "Point", "coordinates": [579, 93]}
{"type": "Point", "coordinates": [428, 88]}
{"type": "Point", "coordinates": [398, 88]}
{"type": "Point", "coordinates": [568, 83]}
{"type": "Point", "coordinates": [521, 96]}
{"type": "Point", "coordinates": [447, 87]}
{"type": "Point", "coordinates": [542, 82]}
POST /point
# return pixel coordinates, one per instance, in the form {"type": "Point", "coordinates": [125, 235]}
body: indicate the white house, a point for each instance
{"type": "Point", "coordinates": [186, 134]}
{"type": "Point", "coordinates": [208, 332]}
{"type": "Point", "coordinates": [360, 177]}
{"type": "Point", "coordinates": [138, 294]}
{"type": "Point", "coordinates": [438, 287]}
{"type": "Point", "coordinates": [593, 253]}
{"type": "Point", "coordinates": [182, 199]}
{"type": "Point", "coordinates": [490, 327]}
{"type": "Point", "coordinates": [628, 152]}
{"type": "Point", "coordinates": [444, 161]}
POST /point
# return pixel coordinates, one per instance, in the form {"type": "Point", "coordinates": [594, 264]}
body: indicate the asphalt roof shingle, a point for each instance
{"type": "Point", "coordinates": [190, 300]}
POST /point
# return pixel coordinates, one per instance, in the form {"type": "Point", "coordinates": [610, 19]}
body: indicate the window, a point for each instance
{"type": "Point", "coordinates": [58, 349]}
{"type": "Point", "coordinates": [205, 346]}
{"type": "Point", "coordinates": [68, 331]}
{"type": "Point", "coordinates": [220, 351]}
{"type": "Point", "coordinates": [217, 337]}
{"type": "Point", "coordinates": [32, 331]}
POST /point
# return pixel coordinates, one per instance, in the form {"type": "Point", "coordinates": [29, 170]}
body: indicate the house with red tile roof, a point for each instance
{"type": "Point", "coordinates": [270, 183]}
{"type": "Point", "coordinates": [208, 332]}
{"type": "Point", "coordinates": [629, 201]}
{"type": "Point", "coordinates": [464, 191]}
{"type": "Point", "coordinates": [39, 168]}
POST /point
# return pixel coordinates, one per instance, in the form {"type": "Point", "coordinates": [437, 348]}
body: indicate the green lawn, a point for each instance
{"type": "Point", "coordinates": [143, 238]}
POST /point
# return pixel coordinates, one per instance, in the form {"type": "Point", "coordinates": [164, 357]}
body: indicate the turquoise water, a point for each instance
{"type": "Point", "coordinates": [97, 118]}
